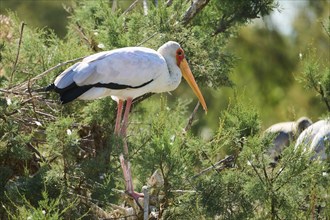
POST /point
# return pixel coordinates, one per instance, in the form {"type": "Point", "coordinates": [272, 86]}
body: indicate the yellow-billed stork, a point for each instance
{"type": "Point", "coordinates": [125, 74]}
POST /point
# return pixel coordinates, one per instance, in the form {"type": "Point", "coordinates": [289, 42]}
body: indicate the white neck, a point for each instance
{"type": "Point", "coordinates": [168, 51]}
{"type": "Point", "coordinates": [175, 75]}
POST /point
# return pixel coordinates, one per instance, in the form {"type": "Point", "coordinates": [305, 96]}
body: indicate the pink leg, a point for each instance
{"type": "Point", "coordinates": [118, 119]}
{"type": "Point", "coordinates": [125, 123]}
{"type": "Point", "coordinates": [126, 165]}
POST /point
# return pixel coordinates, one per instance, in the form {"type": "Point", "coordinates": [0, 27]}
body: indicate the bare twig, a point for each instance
{"type": "Point", "coordinates": [141, 98]}
{"type": "Point", "coordinates": [153, 35]}
{"type": "Point", "coordinates": [214, 166]}
{"type": "Point", "coordinates": [45, 114]}
{"type": "Point", "coordinates": [31, 147]}
{"type": "Point", "coordinates": [130, 8]}
{"type": "Point", "coordinates": [325, 29]}
{"type": "Point", "coordinates": [90, 42]}
{"type": "Point", "coordinates": [49, 70]}
{"type": "Point", "coordinates": [12, 92]}
{"type": "Point", "coordinates": [17, 54]}
{"type": "Point", "coordinates": [182, 191]}
{"type": "Point", "coordinates": [191, 118]}
{"type": "Point", "coordinates": [169, 3]}
{"type": "Point", "coordinates": [256, 171]}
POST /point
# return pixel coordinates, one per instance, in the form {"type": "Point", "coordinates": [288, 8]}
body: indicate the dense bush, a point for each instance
{"type": "Point", "coordinates": [61, 162]}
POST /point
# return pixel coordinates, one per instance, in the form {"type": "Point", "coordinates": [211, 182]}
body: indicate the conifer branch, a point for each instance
{"type": "Point", "coordinates": [324, 98]}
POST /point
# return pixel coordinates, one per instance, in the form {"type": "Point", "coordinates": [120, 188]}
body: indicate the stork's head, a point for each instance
{"type": "Point", "coordinates": [174, 50]}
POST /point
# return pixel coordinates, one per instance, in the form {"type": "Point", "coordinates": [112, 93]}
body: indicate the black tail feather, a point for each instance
{"type": "Point", "coordinates": [50, 87]}
{"type": "Point", "coordinates": [69, 93]}
{"type": "Point", "coordinates": [73, 93]}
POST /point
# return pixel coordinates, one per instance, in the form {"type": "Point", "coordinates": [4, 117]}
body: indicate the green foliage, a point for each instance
{"type": "Point", "coordinates": [316, 76]}
{"type": "Point", "coordinates": [48, 208]}
{"type": "Point", "coordinates": [61, 162]}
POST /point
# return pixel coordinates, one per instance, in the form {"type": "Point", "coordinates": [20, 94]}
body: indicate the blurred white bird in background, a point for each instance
{"type": "Point", "coordinates": [316, 138]}
{"type": "Point", "coordinates": [283, 134]}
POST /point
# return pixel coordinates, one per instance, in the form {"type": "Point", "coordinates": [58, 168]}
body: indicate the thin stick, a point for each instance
{"type": "Point", "coordinates": [17, 54]}
{"type": "Point", "coordinates": [227, 159]}
{"type": "Point", "coordinates": [325, 29]}
{"type": "Point", "coordinates": [191, 118]}
{"type": "Point", "coordinates": [130, 7]}
{"type": "Point", "coordinates": [12, 92]}
{"type": "Point", "coordinates": [51, 69]}
{"type": "Point", "coordinates": [154, 34]}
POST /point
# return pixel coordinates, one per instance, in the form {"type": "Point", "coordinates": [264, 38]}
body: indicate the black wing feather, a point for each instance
{"type": "Point", "coordinates": [73, 91]}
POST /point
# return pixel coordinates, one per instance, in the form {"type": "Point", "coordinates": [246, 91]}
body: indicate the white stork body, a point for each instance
{"type": "Point", "coordinates": [125, 74]}
{"type": "Point", "coordinates": [284, 133]}
{"type": "Point", "coordinates": [316, 138]}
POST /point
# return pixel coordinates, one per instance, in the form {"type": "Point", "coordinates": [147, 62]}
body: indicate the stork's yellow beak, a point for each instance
{"type": "Point", "coordinates": [186, 73]}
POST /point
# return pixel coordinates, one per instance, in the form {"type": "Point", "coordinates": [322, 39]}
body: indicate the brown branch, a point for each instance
{"type": "Point", "coordinates": [17, 54]}
{"type": "Point", "coordinates": [196, 7]}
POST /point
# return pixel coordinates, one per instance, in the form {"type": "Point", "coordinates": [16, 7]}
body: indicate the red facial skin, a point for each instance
{"type": "Point", "coordinates": [179, 56]}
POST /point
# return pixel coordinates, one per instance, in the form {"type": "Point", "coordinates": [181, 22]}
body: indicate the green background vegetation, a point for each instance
{"type": "Point", "coordinates": [251, 75]}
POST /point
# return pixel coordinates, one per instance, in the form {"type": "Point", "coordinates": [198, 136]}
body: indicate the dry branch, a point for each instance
{"type": "Point", "coordinates": [193, 10]}
{"type": "Point", "coordinates": [191, 118]}
{"type": "Point", "coordinates": [17, 54]}
{"type": "Point", "coordinates": [130, 8]}
{"type": "Point", "coordinates": [224, 161]}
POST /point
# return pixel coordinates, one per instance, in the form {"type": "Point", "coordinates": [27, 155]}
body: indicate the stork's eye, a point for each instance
{"type": "Point", "coordinates": [179, 52]}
